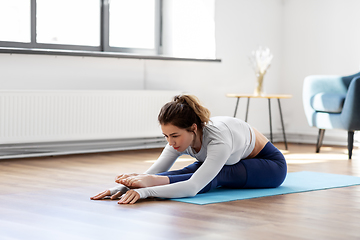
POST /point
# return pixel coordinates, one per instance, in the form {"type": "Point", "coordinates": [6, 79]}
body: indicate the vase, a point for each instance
{"type": "Point", "coordinates": [259, 85]}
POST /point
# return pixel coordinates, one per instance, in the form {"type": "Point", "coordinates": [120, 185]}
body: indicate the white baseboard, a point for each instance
{"type": "Point", "coordinates": [329, 138]}
{"type": "Point", "coordinates": [11, 151]}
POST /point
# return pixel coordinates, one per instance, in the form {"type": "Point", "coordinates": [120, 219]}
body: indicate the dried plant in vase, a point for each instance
{"type": "Point", "coordinates": [260, 61]}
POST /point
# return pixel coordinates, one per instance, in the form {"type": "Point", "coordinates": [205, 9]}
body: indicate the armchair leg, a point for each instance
{"type": "Point", "coordinates": [320, 140]}
{"type": "Point", "coordinates": [350, 142]}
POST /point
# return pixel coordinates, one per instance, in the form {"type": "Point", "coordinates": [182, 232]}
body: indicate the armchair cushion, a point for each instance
{"type": "Point", "coordinates": [328, 102]}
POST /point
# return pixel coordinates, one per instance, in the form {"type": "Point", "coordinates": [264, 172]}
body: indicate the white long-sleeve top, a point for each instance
{"type": "Point", "coordinates": [225, 141]}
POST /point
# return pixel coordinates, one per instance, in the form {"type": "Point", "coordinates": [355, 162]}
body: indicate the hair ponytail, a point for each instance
{"type": "Point", "coordinates": [184, 111]}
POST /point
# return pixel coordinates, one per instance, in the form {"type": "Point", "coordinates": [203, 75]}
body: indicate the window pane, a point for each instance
{"type": "Point", "coordinates": [15, 20]}
{"type": "Point", "coordinates": [73, 22]}
{"type": "Point", "coordinates": [191, 28]}
{"type": "Point", "coordinates": [132, 24]}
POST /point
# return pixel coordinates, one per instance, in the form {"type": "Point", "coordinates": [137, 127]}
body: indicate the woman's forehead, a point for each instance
{"type": "Point", "coordinates": [169, 128]}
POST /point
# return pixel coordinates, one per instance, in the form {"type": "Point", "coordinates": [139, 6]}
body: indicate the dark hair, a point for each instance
{"type": "Point", "coordinates": [183, 111]}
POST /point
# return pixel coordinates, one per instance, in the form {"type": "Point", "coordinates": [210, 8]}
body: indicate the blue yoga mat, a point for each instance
{"type": "Point", "coordinates": [294, 183]}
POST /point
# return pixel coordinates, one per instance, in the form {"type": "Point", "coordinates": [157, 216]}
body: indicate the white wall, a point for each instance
{"type": "Point", "coordinates": [67, 72]}
{"type": "Point", "coordinates": [319, 37]}
{"type": "Point", "coordinates": [240, 27]}
{"type": "Point", "coordinates": [305, 36]}
{"type": "Point", "coordinates": [236, 37]}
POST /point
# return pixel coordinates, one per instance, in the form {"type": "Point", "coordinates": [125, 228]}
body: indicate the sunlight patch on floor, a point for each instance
{"type": "Point", "coordinates": [303, 161]}
{"type": "Point", "coordinates": [303, 158]}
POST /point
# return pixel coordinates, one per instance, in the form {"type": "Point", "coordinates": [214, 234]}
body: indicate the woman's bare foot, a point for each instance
{"type": "Point", "coordinates": [144, 180]}
{"type": "Point", "coordinates": [125, 175]}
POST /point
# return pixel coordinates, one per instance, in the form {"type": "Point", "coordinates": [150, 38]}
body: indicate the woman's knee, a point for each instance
{"type": "Point", "coordinates": [261, 175]}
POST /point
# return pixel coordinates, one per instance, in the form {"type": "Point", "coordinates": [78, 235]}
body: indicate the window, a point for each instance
{"type": "Point", "coordinates": [90, 25]}
{"type": "Point", "coordinates": [138, 34]}
{"type": "Point", "coordinates": [68, 22]}
{"type": "Point", "coordinates": [15, 21]}
{"type": "Point", "coordinates": [189, 28]}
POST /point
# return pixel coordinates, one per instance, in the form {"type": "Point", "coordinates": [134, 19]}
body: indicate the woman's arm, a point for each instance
{"type": "Point", "coordinates": [217, 155]}
{"type": "Point", "coordinates": [165, 160]}
{"type": "Point", "coordinates": [162, 164]}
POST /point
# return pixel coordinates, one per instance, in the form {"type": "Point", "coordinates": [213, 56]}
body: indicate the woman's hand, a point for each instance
{"type": "Point", "coordinates": [106, 193]}
{"type": "Point", "coordinates": [130, 197]}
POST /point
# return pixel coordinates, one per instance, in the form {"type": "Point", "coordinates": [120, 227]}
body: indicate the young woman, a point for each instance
{"type": "Point", "coordinates": [229, 153]}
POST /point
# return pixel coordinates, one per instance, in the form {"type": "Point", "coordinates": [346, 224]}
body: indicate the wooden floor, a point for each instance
{"type": "Point", "coordinates": [48, 198]}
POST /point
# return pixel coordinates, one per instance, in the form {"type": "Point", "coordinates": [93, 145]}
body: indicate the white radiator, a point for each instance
{"type": "Point", "coordinates": [56, 116]}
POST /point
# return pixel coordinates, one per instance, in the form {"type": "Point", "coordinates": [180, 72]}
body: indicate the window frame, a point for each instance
{"type": "Point", "coordinates": [104, 47]}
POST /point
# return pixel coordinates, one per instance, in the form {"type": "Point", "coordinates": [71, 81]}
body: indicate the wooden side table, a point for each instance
{"type": "Point", "coordinates": [269, 97]}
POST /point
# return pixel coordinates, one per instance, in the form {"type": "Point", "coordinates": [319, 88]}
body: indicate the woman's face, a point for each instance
{"type": "Point", "coordinates": [180, 139]}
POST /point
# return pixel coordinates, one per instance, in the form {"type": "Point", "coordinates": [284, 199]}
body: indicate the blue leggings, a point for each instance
{"type": "Point", "coordinates": [266, 170]}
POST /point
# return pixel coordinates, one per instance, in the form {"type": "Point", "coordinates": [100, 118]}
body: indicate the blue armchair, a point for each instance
{"type": "Point", "coordinates": [333, 102]}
